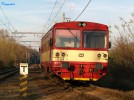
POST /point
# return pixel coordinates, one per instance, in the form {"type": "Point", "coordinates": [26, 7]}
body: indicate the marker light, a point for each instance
{"type": "Point", "coordinates": [82, 24]}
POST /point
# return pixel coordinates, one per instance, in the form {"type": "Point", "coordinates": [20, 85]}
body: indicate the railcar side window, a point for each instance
{"type": "Point", "coordinates": [67, 38]}
{"type": "Point", "coordinates": [94, 39]}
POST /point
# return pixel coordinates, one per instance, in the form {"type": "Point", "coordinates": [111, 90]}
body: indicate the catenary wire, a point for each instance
{"type": "Point", "coordinates": [7, 18]}
{"type": "Point", "coordinates": [50, 14]}
{"type": "Point", "coordinates": [56, 14]}
{"type": "Point", "coordinates": [8, 22]}
{"type": "Point", "coordinates": [83, 10]}
{"type": "Point", "coordinates": [6, 26]}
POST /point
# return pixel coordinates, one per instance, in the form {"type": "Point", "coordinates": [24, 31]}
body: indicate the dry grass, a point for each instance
{"type": "Point", "coordinates": [110, 93]}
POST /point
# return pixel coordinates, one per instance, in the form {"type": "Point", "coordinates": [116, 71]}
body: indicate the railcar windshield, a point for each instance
{"type": "Point", "coordinates": [94, 39]}
{"type": "Point", "coordinates": [67, 38]}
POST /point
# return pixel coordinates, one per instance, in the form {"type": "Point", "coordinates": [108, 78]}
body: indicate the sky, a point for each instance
{"type": "Point", "coordinates": [33, 15]}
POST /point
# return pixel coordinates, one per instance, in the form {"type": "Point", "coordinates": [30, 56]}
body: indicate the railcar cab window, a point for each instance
{"type": "Point", "coordinates": [94, 39]}
{"type": "Point", "coordinates": [67, 38]}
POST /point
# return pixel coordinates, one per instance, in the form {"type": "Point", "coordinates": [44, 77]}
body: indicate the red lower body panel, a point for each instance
{"type": "Point", "coordinates": [80, 71]}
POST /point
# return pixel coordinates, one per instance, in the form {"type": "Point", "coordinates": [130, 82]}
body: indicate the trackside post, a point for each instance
{"type": "Point", "coordinates": [23, 80]}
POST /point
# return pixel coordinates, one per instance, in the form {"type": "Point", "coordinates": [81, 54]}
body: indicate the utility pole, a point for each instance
{"type": "Point", "coordinates": [63, 17]}
{"type": "Point", "coordinates": [110, 32]}
{"type": "Point", "coordinates": [33, 45]}
{"type": "Point", "coordinates": [27, 56]}
{"type": "Point", "coordinates": [31, 41]}
{"type": "Point", "coordinates": [16, 36]}
{"type": "Point", "coordinates": [21, 34]}
{"type": "Point", "coordinates": [27, 33]}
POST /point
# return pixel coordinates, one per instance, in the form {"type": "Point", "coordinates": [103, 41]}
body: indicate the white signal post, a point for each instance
{"type": "Point", "coordinates": [23, 80]}
{"type": "Point", "coordinates": [23, 68]}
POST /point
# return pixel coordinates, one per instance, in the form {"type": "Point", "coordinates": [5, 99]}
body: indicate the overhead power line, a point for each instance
{"type": "Point", "coordinates": [7, 19]}
{"type": "Point", "coordinates": [27, 33]}
{"type": "Point", "coordinates": [30, 41]}
{"type": "Point", "coordinates": [5, 23]}
{"type": "Point", "coordinates": [6, 26]}
{"type": "Point", "coordinates": [50, 14]}
{"type": "Point", "coordinates": [56, 14]}
{"type": "Point", "coordinates": [8, 22]}
{"type": "Point", "coordinates": [83, 10]}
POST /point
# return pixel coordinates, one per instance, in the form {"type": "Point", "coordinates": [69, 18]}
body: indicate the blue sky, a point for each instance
{"type": "Point", "coordinates": [31, 15]}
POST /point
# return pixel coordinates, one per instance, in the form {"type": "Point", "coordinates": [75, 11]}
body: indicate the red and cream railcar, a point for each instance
{"type": "Point", "coordinates": [76, 50]}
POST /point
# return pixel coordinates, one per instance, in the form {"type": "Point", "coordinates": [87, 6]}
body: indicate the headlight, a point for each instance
{"type": "Point", "coordinates": [105, 55]}
{"type": "Point", "coordinates": [57, 54]}
{"type": "Point", "coordinates": [63, 54]}
{"type": "Point", "coordinates": [99, 55]}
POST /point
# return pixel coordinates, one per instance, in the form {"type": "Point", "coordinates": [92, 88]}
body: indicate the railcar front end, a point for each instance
{"type": "Point", "coordinates": [79, 51]}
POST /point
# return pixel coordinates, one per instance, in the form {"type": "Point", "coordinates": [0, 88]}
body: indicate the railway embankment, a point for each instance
{"type": "Point", "coordinates": [42, 87]}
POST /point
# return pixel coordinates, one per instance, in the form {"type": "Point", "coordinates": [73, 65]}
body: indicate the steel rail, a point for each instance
{"type": "Point", "coordinates": [8, 73]}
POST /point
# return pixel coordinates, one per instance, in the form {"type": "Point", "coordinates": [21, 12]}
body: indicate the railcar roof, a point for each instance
{"type": "Point", "coordinates": [89, 25]}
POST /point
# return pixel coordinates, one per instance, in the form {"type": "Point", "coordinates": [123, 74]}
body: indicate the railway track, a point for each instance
{"type": "Point", "coordinates": [7, 73]}
{"type": "Point", "coordinates": [43, 87]}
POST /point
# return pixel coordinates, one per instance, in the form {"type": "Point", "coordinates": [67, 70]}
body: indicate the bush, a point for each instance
{"type": "Point", "coordinates": [121, 56]}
